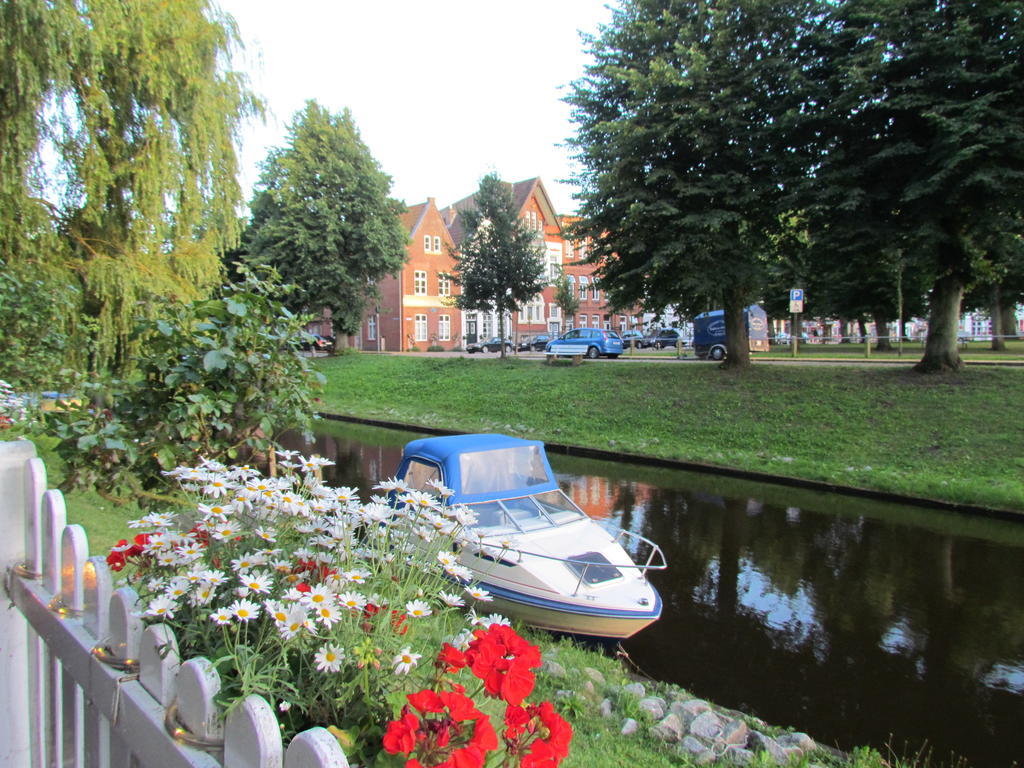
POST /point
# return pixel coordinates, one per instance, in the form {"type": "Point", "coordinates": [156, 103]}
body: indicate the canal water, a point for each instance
{"type": "Point", "coordinates": [861, 623]}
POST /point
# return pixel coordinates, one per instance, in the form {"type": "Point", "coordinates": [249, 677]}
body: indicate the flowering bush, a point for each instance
{"type": "Point", "coordinates": [440, 736]}
{"type": "Point", "coordinates": [321, 603]}
{"type": "Point", "coordinates": [14, 408]}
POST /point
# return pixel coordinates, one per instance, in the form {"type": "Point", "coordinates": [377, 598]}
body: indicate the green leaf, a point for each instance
{"type": "Point", "coordinates": [236, 308]}
{"type": "Point", "coordinates": [215, 360]}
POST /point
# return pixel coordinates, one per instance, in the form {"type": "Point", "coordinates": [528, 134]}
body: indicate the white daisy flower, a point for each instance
{"type": "Point", "coordinates": [453, 599]}
{"type": "Point", "coordinates": [329, 658]}
{"type": "Point", "coordinates": [479, 594]}
{"type": "Point", "coordinates": [221, 616]}
{"type": "Point", "coordinates": [162, 606]}
{"type": "Point", "coordinates": [352, 600]}
{"type": "Point", "coordinates": [405, 660]}
{"type": "Point", "coordinates": [417, 609]}
{"type": "Point", "coordinates": [446, 558]}
{"type": "Point", "coordinates": [260, 582]}
{"type": "Point", "coordinates": [327, 614]}
{"type": "Point", "coordinates": [296, 621]}
{"type": "Point", "coordinates": [244, 610]}
{"type": "Point", "coordinates": [318, 595]}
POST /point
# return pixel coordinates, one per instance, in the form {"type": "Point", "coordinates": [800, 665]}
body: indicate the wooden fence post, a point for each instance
{"type": "Point", "coordinates": [15, 746]}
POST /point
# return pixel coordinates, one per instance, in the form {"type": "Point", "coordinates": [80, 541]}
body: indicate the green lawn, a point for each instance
{"type": "Point", "coordinates": [956, 437]}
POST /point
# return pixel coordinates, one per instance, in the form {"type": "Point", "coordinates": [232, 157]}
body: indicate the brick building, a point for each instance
{"type": "Point", "coordinates": [417, 308]}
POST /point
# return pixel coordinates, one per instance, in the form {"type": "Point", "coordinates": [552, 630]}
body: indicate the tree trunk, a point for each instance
{"type": "Point", "coordinates": [862, 327]}
{"type": "Point", "coordinates": [884, 343]}
{"type": "Point", "coordinates": [737, 339]}
{"type": "Point", "coordinates": [940, 352]}
{"type": "Point", "coordinates": [995, 312]}
{"type": "Point", "coordinates": [845, 331]}
{"type": "Point", "coordinates": [501, 331]}
{"type": "Point", "coordinates": [1009, 322]}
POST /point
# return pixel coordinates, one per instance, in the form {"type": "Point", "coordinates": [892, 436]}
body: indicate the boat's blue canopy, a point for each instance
{"type": "Point", "coordinates": [482, 467]}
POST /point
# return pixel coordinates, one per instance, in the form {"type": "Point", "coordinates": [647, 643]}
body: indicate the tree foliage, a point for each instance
{"type": "Point", "coordinates": [499, 264]}
{"type": "Point", "coordinates": [566, 297]}
{"type": "Point", "coordinates": [918, 137]}
{"type": "Point", "coordinates": [680, 138]}
{"type": "Point", "coordinates": [324, 220]}
{"type": "Point", "coordinates": [117, 159]}
{"type": "Point", "coordinates": [217, 378]}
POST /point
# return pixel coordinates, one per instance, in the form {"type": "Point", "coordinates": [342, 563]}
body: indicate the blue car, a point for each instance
{"type": "Point", "coordinates": [597, 340]}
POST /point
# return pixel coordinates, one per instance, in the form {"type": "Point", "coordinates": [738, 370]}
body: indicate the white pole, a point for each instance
{"type": "Point", "coordinates": [14, 662]}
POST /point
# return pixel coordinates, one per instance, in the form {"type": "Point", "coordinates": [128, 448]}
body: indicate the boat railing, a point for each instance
{"type": "Point", "coordinates": [650, 565]}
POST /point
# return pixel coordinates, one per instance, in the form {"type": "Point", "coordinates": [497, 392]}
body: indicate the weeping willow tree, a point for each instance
{"type": "Point", "coordinates": [118, 172]}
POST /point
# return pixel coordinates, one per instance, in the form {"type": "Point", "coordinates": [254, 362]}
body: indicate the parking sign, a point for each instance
{"type": "Point", "coordinates": [796, 300]}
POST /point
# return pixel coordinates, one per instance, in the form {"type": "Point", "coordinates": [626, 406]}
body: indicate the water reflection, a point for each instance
{"type": "Point", "coordinates": [858, 622]}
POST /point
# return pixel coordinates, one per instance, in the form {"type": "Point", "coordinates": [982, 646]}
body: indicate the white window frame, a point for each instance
{"type": "Point", "coordinates": [595, 321]}
{"type": "Point", "coordinates": [583, 321]}
{"type": "Point", "coordinates": [437, 244]}
{"type": "Point", "coordinates": [371, 328]}
{"type": "Point", "coordinates": [426, 243]}
{"type": "Point", "coordinates": [444, 327]}
{"type": "Point", "coordinates": [419, 282]}
{"type": "Point", "coordinates": [444, 286]}
{"type": "Point", "coordinates": [420, 327]}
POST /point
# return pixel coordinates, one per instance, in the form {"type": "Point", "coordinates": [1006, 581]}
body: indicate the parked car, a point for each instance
{"type": "Point", "coordinates": [314, 342]}
{"type": "Point", "coordinates": [525, 344]}
{"type": "Point", "coordinates": [540, 341]}
{"type": "Point", "coordinates": [635, 337]}
{"type": "Point", "coordinates": [598, 341]}
{"type": "Point", "coordinates": [493, 344]}
{"type": "Point", "coordinates": [666, 338]}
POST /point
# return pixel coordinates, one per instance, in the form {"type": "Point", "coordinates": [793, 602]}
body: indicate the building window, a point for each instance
{"type": "Point", "coordinates": [426, 243]}
{"type": "Point", "coordinates": [444, 286]}
{"type": "Point", "coordinates": [371, 328]}
{"type": "Point", "coordinates": [570, 251]}
{"type": "Point", "coordinates": [444, 328]}
{"type": "Point", "coordinates": [583, 321]}
{"type": "Point", "coordinates": [583, 287]}
{"type": "Point", "coordinates": [554, 271]}
{"type": "Point", "coordinates": [596, 321]}
{"type": "Point", "coordinates": [437, 244]}
{"type": "Point", "coordinates": [419, 283]}
{"type": "Point", "coordinates": [554, 311]}
{"type": "Point", "coordinates": [421, 327]}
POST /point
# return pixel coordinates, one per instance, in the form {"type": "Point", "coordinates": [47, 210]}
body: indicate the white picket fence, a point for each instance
{"type": "Point", "coordinates": [84, 683]}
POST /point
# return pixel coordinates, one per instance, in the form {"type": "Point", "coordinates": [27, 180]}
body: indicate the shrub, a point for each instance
{"type": "Point", "coordinates": [218, 378]}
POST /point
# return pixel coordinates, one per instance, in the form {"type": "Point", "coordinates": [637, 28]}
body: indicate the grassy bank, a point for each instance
{"type": "Point", "coordinates": [958, 438]}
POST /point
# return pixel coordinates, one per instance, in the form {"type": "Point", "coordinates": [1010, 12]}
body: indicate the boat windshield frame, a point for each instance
{"type": "Point", "coordinates": [516, 513]}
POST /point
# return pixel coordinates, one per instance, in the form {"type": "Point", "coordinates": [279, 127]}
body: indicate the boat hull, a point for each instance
{"type": "Point", "coordinates": [572, 618]}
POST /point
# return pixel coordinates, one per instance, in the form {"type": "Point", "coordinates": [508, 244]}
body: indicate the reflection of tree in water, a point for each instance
{"type": "Point", "coordinates": [847, 626]}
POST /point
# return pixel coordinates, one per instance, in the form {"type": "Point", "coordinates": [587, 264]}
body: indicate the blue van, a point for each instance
{"type": "Point", "coordinates": [709, 332]}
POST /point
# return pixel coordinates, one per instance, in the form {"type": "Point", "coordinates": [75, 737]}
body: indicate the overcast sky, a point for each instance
{"type": "Point", "coordinates": [443, 92]}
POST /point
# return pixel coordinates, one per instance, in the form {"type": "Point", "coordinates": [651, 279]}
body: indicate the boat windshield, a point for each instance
{"type": "Point", "coordinates": [503, 469]}
{"type": "Point", "coordinates": [526, 513]}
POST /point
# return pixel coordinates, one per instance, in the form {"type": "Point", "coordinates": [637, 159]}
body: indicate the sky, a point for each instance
{"type": "Point", "coordinates": [442, 92]}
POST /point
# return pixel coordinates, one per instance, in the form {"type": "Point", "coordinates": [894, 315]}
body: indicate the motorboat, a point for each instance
{"type": "Point", "coordinates": [536, 553]}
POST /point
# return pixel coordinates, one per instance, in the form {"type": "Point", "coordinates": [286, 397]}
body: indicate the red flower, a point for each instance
{"type": "Point", "coordinates": [427, 701]}
{"type": "Point", "coordinates": [400, 735]}
{"type": "Point", "coordinates": [451, 659]}
{"type": "Point", "coordinates": [398, 623]}
{"type": "Point", "coordinates": [503, 660]}
{"type": "Point", "coordinates": [440, 741]}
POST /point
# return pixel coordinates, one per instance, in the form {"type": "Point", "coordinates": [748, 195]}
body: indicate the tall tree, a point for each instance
{"type": "Point", "coordinates": [566, 297]}
{"type": "Point", "coordinates": [323, 217]}
{"type": "Point", "coordinates": [499, 264]}
{"type": "Point", "coordinates": [681, 139]}
{"type": "Point", "coordinates": [117, 157]}
{"type": "Point", "coordinates": [920, 140]}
